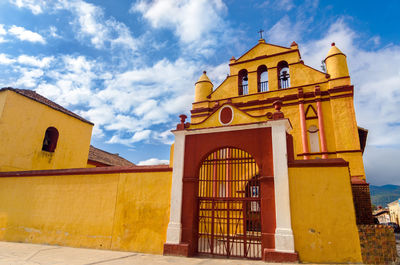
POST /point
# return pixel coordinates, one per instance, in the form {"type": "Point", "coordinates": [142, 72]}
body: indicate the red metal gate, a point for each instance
{"type": "Point", "coordinates": [229, 205]}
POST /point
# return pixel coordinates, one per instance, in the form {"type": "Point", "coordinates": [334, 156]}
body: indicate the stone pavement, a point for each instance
{"type": "Point", "coordinates": [33, 254]}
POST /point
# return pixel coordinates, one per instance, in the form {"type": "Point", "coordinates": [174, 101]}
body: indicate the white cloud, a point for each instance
{"type": "Point", "coordinates": [284, 32]}
{"type": "Point", "coordinates": [166, 137]}
{"type": "Point", "coordinates": [53, 32]}
{"type": "Point", "coordinates": [34, 61]}
{"type": "Point", "coordinates": [153, 161]}
{"type": "Point", "coordinates": [137, 137]}
{"type": "Point", "coordinates": [5, 59]}
{"type": "Point", "coordinates": [191, 20]}
{"type": "Point", "coordinates": [2, 32]}
{"type": "Point", "coordinates": [90, 23]}
{"type": "Point", "coordinates": [36, 6]}
{"type": "Point", "coordinates": [26, 35]}
{"type": "Point", "coordinates": [29, 77]}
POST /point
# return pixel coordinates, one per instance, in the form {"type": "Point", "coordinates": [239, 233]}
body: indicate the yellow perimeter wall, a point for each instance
{"type": "Point", "coordinates": [119, 211]}
{"type": "Point", "coordinates": [323, 218]}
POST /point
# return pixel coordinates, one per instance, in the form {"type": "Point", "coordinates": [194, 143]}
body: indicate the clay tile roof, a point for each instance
{"type": "Point", "coordinates": [39, 98]}
{"type": "Point", "coordinates": [106, 158]}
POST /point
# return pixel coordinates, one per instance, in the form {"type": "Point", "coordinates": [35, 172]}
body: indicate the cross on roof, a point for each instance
{"type": "Point", "coordinates": [261, 33]}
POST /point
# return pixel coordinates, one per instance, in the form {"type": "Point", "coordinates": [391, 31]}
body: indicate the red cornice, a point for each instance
{"type": "Point", "coordinates": [340, 89]}
{"type": "Point", "coordinates": [86, 171]}
{"type": "Point", "coordinates": [332, 162]}
{"type": "Point", "coordinates": [330, 153]}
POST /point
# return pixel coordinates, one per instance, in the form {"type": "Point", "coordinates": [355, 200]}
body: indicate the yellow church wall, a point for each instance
{"type": "Point", "coordinates": [64, 210]}
{"type": "Point", "coordinates": [301, 74]}
{"type": "Point", "coordinates": [323, 218]}
{"type": "Point", "coordinates": [119, 211]}
{"type": "Point", "coordinates": [229, 88]}
{"type": "Point", "coordinates": [346, 133]}
{"type": "Point", "coordinates": [142, 212]}
{"type": "Point", "coordinates": [3, 97]}
{"type": "Point", "coordinates": [22, 128]}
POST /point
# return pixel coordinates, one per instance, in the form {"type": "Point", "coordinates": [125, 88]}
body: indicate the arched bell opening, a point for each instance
{"type": "Point", "coordinates": [243, 85]}
{"type": "Point", "coordinates": [283, 75]}
{"type": "Point", "coordinates": [262, 78]}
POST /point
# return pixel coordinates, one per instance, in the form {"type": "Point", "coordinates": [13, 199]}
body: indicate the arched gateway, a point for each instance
{"type": "Point", "coordinates": [230, 193]}
{"type": "Point", "coordinates": [229, 205]}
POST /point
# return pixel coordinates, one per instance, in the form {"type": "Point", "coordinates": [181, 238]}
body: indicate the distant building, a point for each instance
{"type": "Point", "coordinates": [394, 210]}
{"type": "Point", "coordinates": [100, 158]}
{"type": "Point", "coordinates": [382, 215]}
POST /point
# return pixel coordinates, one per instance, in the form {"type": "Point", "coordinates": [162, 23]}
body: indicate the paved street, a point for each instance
{"type": "Point", "coordinates": [33, 254]}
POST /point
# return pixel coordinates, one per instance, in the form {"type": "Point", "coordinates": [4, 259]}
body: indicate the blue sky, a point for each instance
{"type": "Point", "coordinates": [130, 66]}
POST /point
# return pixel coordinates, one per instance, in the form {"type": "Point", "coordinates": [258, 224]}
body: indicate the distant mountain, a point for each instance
{"type": "Point", "coordinates": [382, 195]}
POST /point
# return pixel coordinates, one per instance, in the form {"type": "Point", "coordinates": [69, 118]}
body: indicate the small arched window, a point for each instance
{"type": "Point", "coordinates": [313, 138]}
{"type": "Point", "coordinates": [283, 75]}
{"type": "Point", "coordinates": [262, 78]}
{"type": "Point", "coordinates": [243, 82]}
{"type": "Point", "coordinates": [50, 140]}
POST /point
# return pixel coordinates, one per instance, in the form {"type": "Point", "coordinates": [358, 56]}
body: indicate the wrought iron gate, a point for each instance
{"type": "Point", "coordinates": [229, 205]}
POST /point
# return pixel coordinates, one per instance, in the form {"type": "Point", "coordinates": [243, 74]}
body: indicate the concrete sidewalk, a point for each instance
{"type": "Point", "coordinates": [32, 254]}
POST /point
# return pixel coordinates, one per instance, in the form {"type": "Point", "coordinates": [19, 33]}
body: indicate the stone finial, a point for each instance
{"type": "Point", "coordinates": [293, 44]}
{"type": "Point", "coordinates": [181, 126]}
{"type": "Point", "coordinates": [183, 118]}
{"type": "Point", "coordinates": [332, 44]}
{"type": "Point", "coordinates": [278, 114]}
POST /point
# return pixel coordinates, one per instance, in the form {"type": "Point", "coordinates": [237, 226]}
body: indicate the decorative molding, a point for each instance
{"type": "Point", "coordinates": [86, 171]}
{"type": "Point", "coordinates": [330, 162]}
{"type": "Point", "coordinates": [313, 114]}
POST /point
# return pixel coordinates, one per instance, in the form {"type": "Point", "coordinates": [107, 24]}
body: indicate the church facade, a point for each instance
{"type": "Point", "coordinates": [268, 168]}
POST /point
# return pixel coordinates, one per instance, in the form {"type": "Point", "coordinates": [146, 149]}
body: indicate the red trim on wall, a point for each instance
{"type": "Point", "coordinates": [86, 171]}
{"type": "Point", "coordinates": [342, 96]}
{"type": "Point", "coordinates": [330, 153]}
{"type": "Point", "coordinates": [330, 162]}
{"type": "Point", "coordinates": [270, 255]}
{"type": "Point", "coordinates": [177, 250]}
{"type": "Point", "coordinates": [289, 147]}
{"type": "Point", "coordinates": [339, 53]}
{"type": "Point", "coordinates": [340, 89]}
